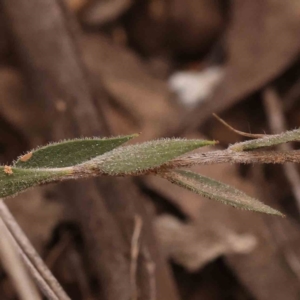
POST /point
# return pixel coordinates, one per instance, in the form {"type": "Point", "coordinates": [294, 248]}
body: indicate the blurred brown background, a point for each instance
{"type": "Point", "coordinates": [160, 67]}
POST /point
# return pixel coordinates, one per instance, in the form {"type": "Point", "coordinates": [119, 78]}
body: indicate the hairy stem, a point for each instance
{"type": "Point", "coordinates": [229, 156]}
{"type": "Point", "coordinates": [208, 158]}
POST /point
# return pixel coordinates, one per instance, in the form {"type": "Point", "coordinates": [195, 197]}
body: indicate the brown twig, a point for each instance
{"type": "Point", "coordinates": [135, 248]}
{"type": "Point", "coordinates": [14, 266]}
{"type": "Point", "coordinates": [281, 229]}
{"type": "Point", "coordinates": [277, 123]}
{"type": "Point", "coordinates": [150, 267]}
{"type": "Point", "coordinates": [57, 252]}
{"type": "Point", "coordinates": [79, 268]}
{"type": "Point", "coordinates": [42, 284]}
{"type": "Point", "coordinates": [250, 135]}
{"type": "Point", "coordinates": [36, 263]}
{"type": "Point", "coordinates": [292, 96]}
{"type": "Point", "coordinates": [102, 12]}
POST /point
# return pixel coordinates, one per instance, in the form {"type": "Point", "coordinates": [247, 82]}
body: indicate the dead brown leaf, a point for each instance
{"type": "Point", "coordinates": [139, 98]}
{"type": "Point", "coordinates": [262, 41]}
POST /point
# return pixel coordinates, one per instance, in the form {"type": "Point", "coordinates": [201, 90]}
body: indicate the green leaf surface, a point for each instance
{"type": "Point", "coordinates": [267, 141]}
{"type": "Point", "coordinates": [70, 152]}
{"type": "Point", "coordinates": [20, 179]}
{"type": "Point", "coordinates": [216, 190]}
{"type": "Point", "coordinates": [136, 159]}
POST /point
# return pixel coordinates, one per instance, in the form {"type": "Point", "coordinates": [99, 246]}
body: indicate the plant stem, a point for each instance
{"type": "Point", "coordinates": [208, 158]}
{"type": "Point", "coordinates": [229, 156]}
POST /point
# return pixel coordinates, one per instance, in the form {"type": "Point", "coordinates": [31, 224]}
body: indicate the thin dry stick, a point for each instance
{"type": "Point", "coordinates": [277, 123]}
{"type": "Point", "coordinates": [79, 269]}
{"type": "Point", "coordinates": [284, 244]}
{"type": "Point", "coordinates": [292, 96]}
{"type": "Point", "coordinates": [42, 284]}
{"type": "Point", "coordinates": [30, 252]}
{"type": "Point", "coordinates": [242, 133]}
{"type": "Point", "coordinates": [103, 12]}
{"type": "Point", "coordinates": [58, 251]}
{"type": "Point", "coordinates": [14, 266]}
{"type": "Point", "coordinates": [75, 263]}
{"type": "Point", "coordinates": [150, 265]}
{"type": "Point", "coordinates": [278, 228]}
{"type": "Point", "coordinates": [135, 248]}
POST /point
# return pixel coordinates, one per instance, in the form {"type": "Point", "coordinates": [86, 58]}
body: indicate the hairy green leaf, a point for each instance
{"type": "Point", "coordinates": [267, 141]}
{"type": "Point", "coordinates": [14, 180]}
{"type": "Point", "coordinates": [70, 152]}
{"type": "Point", "coordinates": [135, 159]}
{"type": "Point", "coordinates": [216, 190]}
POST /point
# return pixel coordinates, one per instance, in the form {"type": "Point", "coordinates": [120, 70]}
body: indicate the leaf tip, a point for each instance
{"type": "Point", "coordinates": [276, 212]}
{"type": "Point", "coordinates": [219, 191]}
{"type": "Point", "coordinates": [134, 135]}
{"type": "Point", "coordinates": [201, 143]}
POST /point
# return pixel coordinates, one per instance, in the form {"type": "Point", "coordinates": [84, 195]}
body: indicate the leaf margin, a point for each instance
{"type": "Point", "coordinates": [176, 177]}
